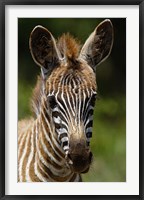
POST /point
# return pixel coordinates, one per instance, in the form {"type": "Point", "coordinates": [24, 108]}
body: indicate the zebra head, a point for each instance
{"type": "Point", "coordinates": [69, 86]}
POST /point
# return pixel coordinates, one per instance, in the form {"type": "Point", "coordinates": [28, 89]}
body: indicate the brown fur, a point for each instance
{"type": "Point", "coordinates": [68, 46]}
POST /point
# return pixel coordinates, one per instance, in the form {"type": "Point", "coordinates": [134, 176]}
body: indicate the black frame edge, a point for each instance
{"type": "Point", "coordinates": [72, 2]}
{"type": "Point", "coordinates": [2, 93]}
{"type": "Point", "coordinates": [2, 100]}
{"type": "Point", "coordinates": [141, 99]}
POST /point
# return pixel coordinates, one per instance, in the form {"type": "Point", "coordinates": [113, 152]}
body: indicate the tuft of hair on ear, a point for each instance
{"type": "Point", "coordinates": [69, 47]}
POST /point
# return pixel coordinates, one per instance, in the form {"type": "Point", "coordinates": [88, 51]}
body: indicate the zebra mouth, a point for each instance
{"type": "Point", "coordinates": [78, 164]}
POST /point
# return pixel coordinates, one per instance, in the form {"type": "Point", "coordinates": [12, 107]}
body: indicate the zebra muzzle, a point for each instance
{"type": "Point", "coordinates": [79, 162]}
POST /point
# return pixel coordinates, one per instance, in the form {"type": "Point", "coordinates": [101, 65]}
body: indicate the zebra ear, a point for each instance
{"type": "Point", "coordinates": [99, 44]}
{"type": "Point", "coordinates": [43, 48]}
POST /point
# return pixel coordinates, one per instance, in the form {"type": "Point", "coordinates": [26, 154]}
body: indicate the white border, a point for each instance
{"type": "Point", "coordinates": [131, 186]}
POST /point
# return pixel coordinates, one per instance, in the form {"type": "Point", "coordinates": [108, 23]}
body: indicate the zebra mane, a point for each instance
{"type": "Point", "coordinates": [68, 46]}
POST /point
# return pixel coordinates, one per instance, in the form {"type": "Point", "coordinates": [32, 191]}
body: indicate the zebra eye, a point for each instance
{"type": "Point", "coordinates": [94, 95]}
{"type": "Point", "coordinates": [52, 101]}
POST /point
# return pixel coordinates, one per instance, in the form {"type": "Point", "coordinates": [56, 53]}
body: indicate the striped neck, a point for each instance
{"type": "Point", "coordinates": [50, 162]}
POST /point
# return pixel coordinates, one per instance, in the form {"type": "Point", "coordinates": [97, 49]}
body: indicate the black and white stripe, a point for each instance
{"type": "Point", "coordinates": [72, 107]}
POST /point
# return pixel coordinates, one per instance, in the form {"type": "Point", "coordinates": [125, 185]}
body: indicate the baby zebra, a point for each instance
{"type": "Point", "coordinates": [55, 145]}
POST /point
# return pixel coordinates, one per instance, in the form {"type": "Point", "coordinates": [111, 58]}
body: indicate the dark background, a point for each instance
{"type": "Point", "coordinates": [109, 132]}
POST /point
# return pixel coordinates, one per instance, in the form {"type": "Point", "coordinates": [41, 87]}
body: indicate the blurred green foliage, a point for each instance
{"type": "Point", "coordinates": [109, 141]}
{"type": "Point", "coordinates": [109, 130]}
